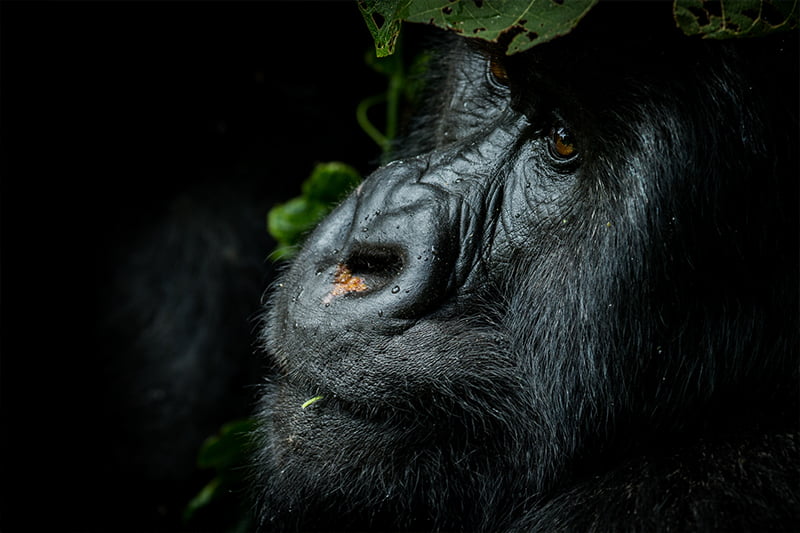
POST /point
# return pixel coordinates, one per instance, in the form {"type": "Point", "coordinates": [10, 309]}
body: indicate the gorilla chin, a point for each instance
{"type": "Point", "coordinates": [537, 318]}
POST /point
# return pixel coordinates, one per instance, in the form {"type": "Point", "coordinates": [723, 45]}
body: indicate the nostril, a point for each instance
{"type": "Point", "coordinates": [366, 270]}
{"type": "Point", "coordinates": [376, 265]}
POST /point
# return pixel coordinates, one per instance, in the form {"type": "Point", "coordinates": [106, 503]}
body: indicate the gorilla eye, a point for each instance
{"type": "Point", "coordinates": [562, 144]}
{"type": "Point", "coordinates": [498, 72]}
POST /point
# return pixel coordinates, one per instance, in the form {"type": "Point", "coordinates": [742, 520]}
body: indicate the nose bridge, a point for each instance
{"type": "Point", "coordinates": [401, 202]}
{"type": "Point", "coordinates": [432, 205]}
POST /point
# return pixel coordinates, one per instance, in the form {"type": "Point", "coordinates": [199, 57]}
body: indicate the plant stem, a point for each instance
{"type": "Point", "coordinates": [363, 120]}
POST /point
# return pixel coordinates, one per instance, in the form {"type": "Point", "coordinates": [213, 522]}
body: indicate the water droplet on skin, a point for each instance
{"type": "Point", "coordinates": [395, 289]}
{"type": "Point", "coordinates": [364, 230]}
{"type": "Point", "coordinates": [327, 305]}
{"type": "Point", "coordinates": [297, 295]}
{"type": "Point", "coordinates": [380, 312]}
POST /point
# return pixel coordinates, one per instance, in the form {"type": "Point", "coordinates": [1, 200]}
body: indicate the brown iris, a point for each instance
{"type": "Point", "coordinates": [563, 144]}
{"type": "Point", "coordinates": [498, 71]}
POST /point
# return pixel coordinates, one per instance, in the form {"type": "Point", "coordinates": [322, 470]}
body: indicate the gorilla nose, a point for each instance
{"type": "Point", "coordinates": [395, 264]}
{"type": "Point", "coordinates": [387, 253]}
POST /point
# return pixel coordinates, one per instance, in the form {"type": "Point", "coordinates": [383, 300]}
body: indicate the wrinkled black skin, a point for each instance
{"type": "Point", "coordinates": [608, 343]}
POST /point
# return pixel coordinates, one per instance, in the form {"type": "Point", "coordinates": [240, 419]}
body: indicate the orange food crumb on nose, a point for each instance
{"type": "Point", "coordinates": [345, 282]}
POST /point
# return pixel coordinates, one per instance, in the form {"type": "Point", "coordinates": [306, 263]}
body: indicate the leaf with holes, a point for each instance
{"type": "Point", "coordinates": [735, 18]}
{"type": "Point", "coordinates": [524, 22]}
{"type": "Point", "coordinates": [384, 18]}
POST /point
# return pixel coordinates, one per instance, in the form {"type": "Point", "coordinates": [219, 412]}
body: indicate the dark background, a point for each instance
{"type": "Point", "coordinates": [110, 111]}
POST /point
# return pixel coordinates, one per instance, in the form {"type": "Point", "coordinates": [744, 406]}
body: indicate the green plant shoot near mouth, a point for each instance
{"type": "Point", "coordinates": [313, 400]}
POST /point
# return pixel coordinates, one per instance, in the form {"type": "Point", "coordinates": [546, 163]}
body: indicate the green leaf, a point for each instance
{"type": "Point", "coordinates": [228, 447]}
{"type": "Point", "coordinates": [735, 18]}
{"type": "Point", "coordinates": [290, 221]}
{"type": "Point", "coordinates": [530, 21]}
{"type": "Point", "coordinates": [287, 222]}
{"type": "Point", "coordinates": [526, 22]}
{"type": "Point", "coordinates": [225, 452]}
{"type": "Point", "coordinates": [330, 183]}
{"type": "Point", "coordinates": [384, 19]}
{"type": "Point", "coordinates": [202, 499]}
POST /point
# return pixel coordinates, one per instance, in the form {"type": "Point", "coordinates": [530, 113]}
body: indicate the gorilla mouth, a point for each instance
{"type": "Point", "coordinates": [330, 405]}
{"type": "Point", "coordinates": [333, 404]}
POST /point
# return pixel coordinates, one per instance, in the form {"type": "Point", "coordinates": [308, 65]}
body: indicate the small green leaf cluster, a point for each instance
{"type": "Point", "coordinates": [527, 23]}
{"type": "Point", "coordinates": [226, 453]}
{"type": "Point", "coordinates": [288, 223]}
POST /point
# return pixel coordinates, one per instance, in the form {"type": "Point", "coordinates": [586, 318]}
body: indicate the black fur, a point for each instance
{"type": "Point", "coordinates": [603, 342]}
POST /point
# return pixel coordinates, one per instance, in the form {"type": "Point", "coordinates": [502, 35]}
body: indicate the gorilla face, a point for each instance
{"type": "Point", "coordinates": [549, 279]}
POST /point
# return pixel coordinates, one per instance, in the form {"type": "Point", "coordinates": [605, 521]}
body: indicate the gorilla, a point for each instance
{"type": "Point", "coordinates": [570, 302]}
